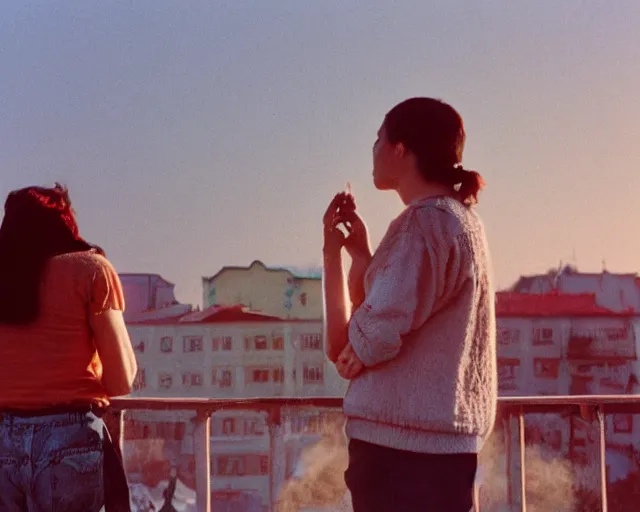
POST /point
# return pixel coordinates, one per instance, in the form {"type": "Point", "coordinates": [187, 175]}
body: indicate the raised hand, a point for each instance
{"type": "Point", "coordinates": [334, 238]}
{"type": "Point", "coordinates": [357, 241]}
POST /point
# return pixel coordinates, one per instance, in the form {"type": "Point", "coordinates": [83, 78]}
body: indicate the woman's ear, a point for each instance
{"type": "Point", "coordinates": [400, 150]}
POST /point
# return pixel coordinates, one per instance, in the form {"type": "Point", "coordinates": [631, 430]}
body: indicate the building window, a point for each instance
{"type": "Point", "coordinates": [542, 336]}
{"type": "Point", "coordinates": [507, 373]}
{"type": "Point", "coordinates": [165, 380]}
{"type": "Point", "coordinates": [192, 379]}
{"type": "Point", "coordinates": [229, 426]}
{"type": "Point", "coordinates": [192, 344]}
{"type": "Point", "coordinates": [263, 374]}
{"type": "Point", "coordinates": [135, 430]}
{"type": "Point", "coordinates": [258, 375]}
{"type": "Point", "coordinates": [252, 427]}
{"type": "Point", "coordinates": [261, 343]}
{"type": "Point", "coordinates": [166, 344]}
{"type": "Point", "coordinates": [222, 343]}
{"type": "Point", "coordinates": [264, 465]}
{"type": "Point", "coordinates": [616, 333]}
{"type": "Point", "coordinates": [238, 425]}
{"type": "Point", "coordinates": [256, 343]}
{"type": "Point", "coordinates": [312, 374]}
{"type": "Point", "coordinates": [507, 337]}
{"type": "Point", "coordinates": [229, 465]}
{"type": "Point", "coordinates": [223, 378]}
{"type": "Point", "coordinates": [278, 374]}
{"type": "Point", "coordinates": [277, 342]}
{"type": "Point", "coordinates": [311, 341]}
{"type": "Point", "coordinates": [241, 464]}
{"type": "Point", "coordinates": [140, 382]}
{"type": "Point", "coordinates": [308, 422]}
{"type": "Point", "coordinates": [546, 368]}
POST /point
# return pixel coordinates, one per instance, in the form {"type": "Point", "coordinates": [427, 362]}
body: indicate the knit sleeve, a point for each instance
{"type": "Point", "coordinates": [106, 289]}
{"type": "Point", "coordinates": [402, 291]}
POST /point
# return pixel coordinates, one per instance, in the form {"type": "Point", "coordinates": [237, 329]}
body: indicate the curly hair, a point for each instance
{"type": "Point", "coordinates": [38, 224]}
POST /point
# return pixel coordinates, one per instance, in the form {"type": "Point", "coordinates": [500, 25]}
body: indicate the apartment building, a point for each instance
{"type": "Point", "coordinates": [567, 344]}
{"type": "Point", "coordinates": [150, 296]}
{"type": "Point", "coordinates": [260, 334]}
{"type": "Point", "coordinates": [228, 352]}
{"type": "Point", "coordinates": [614, 291]}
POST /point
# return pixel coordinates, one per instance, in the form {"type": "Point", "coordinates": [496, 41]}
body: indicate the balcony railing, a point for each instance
{"type": "Point", "coordinates": [592, 348]}
{"type": "Point", "coordinates": [512, 411]}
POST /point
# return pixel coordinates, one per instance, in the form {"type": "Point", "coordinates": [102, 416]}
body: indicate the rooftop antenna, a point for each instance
{"type": "Point", "coordinates": [574, 258]}
{"type": "Point", "coordinates": [604, 265]}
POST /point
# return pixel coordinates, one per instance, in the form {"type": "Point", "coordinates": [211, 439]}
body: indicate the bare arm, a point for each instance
{"type": "Point", "coordinates": [356, 280]}
{"type": "Point", "coordinates": [335, 304]}
{"type": "Point", "coordinates": [116, 353]}
{"type": "Point", "coordinates": [109, 330]}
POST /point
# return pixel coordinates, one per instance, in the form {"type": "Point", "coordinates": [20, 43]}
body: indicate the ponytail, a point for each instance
{"type": "Point", "coordinates": [469, 183]}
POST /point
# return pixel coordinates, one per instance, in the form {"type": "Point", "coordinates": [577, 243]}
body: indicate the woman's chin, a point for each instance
{"type": "Point", "coordinates": [381, 184]}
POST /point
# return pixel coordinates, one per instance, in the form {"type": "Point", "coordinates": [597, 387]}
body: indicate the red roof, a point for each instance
{"type": "Point", "coordinates": [227, 314]}
{"type": "Point", "coordinates": [551, 304]}
{"type": "Point", "coordinates": [156, 321]}
{"type": "Point", "coordinates": [213, 314]}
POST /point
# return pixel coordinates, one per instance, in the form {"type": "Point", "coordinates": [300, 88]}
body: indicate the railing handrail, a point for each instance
{"type": "Point", "coordinates": [174, 403]}
{"type": "Point", "coordinates": [200, 404]}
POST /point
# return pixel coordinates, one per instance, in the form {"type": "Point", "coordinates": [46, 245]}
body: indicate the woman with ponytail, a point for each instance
{"type": "Point", "coordinates": [64, 350]}
{"type": "Point", "coordinates": [418, 342]}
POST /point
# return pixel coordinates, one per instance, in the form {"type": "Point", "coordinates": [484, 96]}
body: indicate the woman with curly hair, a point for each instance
{"type": "Point", "coordinates": [64, 350]}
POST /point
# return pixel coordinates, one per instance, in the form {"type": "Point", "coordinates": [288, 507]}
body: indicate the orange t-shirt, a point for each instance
{"type": "Point", "coordinates": [54, 361]}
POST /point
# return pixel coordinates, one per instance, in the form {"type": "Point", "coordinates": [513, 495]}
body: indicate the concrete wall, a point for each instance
{"type": "Point", "coordinates": [275, 292]}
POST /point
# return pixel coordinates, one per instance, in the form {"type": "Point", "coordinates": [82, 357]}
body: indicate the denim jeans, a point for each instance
{"type": "Point", "coordinates": [51, 463]}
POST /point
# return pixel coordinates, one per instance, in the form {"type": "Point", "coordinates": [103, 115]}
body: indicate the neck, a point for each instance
{"type": "Point", "coordinates": [410, 190]}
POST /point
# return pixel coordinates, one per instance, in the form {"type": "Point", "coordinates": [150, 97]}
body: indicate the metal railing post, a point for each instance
{"type": "Point", "coordinates": [523, 469]}
{"type": "Point", "coordinates": [602, 455]}
{"type": "Point", "coordinates": [277, 457]}
{"type": "Point", "coordinates": [202, 454]}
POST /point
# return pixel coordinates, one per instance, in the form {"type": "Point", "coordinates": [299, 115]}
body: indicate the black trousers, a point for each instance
{"type": "Point", "coordinates": [382, 479]}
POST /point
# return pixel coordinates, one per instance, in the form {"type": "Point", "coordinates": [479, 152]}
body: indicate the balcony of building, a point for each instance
{"type": "Point", "coordinates": [603, 348]}
{"type": "Point", "coordinates": [546, 453]}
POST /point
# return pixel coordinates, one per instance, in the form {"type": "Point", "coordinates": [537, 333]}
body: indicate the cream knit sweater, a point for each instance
{"type": "Point", "coordinates": [426, 334]}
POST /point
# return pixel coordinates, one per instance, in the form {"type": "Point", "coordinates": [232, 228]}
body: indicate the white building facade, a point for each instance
{"type": "Point", "coordinates": [229, 352]}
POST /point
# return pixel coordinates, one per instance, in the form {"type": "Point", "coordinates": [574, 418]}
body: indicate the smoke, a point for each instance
{"type": "Point", "coordinates": [321, 487]}
{"type": "Point", "coordinates": [549, 479]}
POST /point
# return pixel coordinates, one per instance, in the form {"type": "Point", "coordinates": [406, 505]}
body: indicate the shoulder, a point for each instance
{"type": "Point", "coordinates": [445, 217]}
{"type": "Point", "coordinates": [86, 263]}
{"type": "Point", "coordinates": [90, 260]}
{"type": "Point", "coordinates": [437, 217]}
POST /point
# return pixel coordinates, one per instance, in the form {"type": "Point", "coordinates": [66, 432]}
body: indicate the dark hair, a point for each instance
{"type": "Point", "coordinates": [434, 133]}
{"type": "Point", "coordinates": [38, 224]}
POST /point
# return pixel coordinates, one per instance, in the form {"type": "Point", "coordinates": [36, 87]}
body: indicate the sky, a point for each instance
{"type": "Point", "coordinates": [194, 135]}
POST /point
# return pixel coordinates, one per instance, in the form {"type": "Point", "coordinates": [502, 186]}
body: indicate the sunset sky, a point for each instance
{"type": "Point", "coordinates": [196, 134]}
